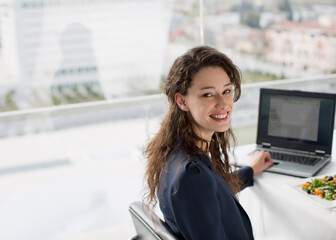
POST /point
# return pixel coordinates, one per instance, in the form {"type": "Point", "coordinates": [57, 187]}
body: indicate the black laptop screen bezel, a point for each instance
{"type": "Point", "coordinates": [290, 143]}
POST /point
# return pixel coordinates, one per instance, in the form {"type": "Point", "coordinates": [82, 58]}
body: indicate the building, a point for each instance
{"type": "Point", "coordinates": [306, 46]}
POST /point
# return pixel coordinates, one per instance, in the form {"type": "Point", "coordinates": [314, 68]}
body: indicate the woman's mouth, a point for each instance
{"type": "Point", "coordinates": [219, 117]}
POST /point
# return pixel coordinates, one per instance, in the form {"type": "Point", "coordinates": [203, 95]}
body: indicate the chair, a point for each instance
{"type": "Point", "coordinates": [146, 228]}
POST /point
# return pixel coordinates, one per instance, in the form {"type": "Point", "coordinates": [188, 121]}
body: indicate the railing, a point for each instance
{"type": "Point", "coordinates": [78, 108]}
{"type": "Point", "coordinates": [30, 121]}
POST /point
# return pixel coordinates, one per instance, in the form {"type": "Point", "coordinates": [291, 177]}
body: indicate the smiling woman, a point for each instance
{"type": "Point", "coordinates": [188, 166]}
{"type": "Point", "coordinates": [209, 101]}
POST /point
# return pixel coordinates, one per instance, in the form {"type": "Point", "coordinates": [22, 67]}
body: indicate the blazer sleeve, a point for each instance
{"type": "Point", "coordinates": [246, 175]}
{"type": "Point", "coordinates": [196, 206]}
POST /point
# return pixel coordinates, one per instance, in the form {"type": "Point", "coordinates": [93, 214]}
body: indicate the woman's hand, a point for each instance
{"type": "Point", "coordinates": [260, 161]}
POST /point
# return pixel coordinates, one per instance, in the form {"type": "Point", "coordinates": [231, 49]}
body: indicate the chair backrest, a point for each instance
{"type": "Point", "coordinates": [148, 225]}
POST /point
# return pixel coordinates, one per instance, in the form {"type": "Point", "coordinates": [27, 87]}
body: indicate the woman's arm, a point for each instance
{"type": "Point", "coordinates": [246, 175]}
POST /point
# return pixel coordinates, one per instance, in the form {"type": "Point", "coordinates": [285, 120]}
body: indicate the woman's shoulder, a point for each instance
{"type": "Point", "coordinates": [186, 173]}
{"type": "Point", "coordinates": [182, 163]}
{"type": "Point", "coordinates": [182, 158]}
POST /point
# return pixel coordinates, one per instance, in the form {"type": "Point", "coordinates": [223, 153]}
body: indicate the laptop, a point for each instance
{"type": "Point", "coordinates": [297, 129]}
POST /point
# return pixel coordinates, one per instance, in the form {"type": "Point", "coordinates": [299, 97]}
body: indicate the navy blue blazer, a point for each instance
{"type": "Point", "coordinates": [197, 204]}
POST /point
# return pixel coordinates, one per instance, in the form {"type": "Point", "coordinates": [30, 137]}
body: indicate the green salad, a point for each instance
{"type": "Point", "coordinates": [324, 187]}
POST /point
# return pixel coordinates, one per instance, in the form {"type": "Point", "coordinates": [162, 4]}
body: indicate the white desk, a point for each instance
{"type": "Point", "coordinates": [278, 212]}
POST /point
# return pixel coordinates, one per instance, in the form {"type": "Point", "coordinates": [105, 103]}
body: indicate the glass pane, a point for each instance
{"type": "Point", "coordinates": [56, 52]}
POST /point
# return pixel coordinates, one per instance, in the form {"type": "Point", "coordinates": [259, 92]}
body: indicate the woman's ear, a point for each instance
{"type": "Point", "coordinates": [180, 100]}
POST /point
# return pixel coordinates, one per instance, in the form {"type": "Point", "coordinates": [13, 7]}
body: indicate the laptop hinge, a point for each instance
{"type": "Point", "coordinates": [319, 152]}
{"type": "Point", "coordinates": [265, 145]}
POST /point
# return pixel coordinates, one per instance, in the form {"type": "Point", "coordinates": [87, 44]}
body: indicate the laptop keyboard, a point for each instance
{"type": "Point", "coordinates": [297, 158]}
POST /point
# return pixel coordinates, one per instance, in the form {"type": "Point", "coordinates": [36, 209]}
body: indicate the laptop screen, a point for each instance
{"type": "Point", "coordinates": [296, 120]}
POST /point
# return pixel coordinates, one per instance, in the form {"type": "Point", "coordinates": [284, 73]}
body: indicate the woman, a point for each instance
{"type": "Point", "coordinates": [188, 167]}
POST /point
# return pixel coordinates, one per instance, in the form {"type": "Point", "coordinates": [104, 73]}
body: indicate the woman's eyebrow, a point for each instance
{"type": "Point", "coordinates": [210, 87]}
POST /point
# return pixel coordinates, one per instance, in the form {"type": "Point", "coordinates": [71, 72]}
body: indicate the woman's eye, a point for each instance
{"type": "Point", "coordinates": [227, 91]}
{"type": "Point", "coordinates": [206, 95]}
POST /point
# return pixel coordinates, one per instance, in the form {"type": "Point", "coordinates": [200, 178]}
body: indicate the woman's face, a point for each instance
{"type": "Point", "coordinates": [209, 101]}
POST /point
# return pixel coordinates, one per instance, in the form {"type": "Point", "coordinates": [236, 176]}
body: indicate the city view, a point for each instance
{"type": "Point", "coordinates": [56, 52]}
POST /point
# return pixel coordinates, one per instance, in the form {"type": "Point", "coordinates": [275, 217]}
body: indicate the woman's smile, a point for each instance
{"type": "Point", "coordinates": [220, 117]}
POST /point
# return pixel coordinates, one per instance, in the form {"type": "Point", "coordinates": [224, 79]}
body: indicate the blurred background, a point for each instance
{"type": "Point", "coordinates": [80, 95]}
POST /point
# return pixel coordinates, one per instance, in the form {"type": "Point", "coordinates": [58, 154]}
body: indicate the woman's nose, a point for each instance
{"type": "Point", "coordinates": [221, 101]}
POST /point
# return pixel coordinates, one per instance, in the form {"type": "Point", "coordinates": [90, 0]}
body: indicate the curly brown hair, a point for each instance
{"type": "Point", "coordinates": [177, 124]}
